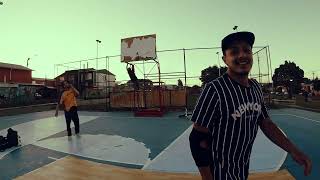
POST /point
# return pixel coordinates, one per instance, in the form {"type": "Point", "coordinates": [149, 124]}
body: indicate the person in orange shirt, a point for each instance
{"type": "Point", "coordinates": [68, 100]}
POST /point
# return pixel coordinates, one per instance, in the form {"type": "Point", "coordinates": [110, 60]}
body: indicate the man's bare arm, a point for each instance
{"type": "Point", "coordinates": [59, 104]}
{"type": "Point", "coordinates": [57, 109]}
{"type": "Point", "coordinates": [276, 136]}
{"type": "Point", "coordinates": [76, 92]}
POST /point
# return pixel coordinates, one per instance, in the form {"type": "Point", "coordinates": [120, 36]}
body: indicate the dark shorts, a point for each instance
{"type": "Point", "coordinates": [72, 114]}
{"type": "Point", "coordinates": [202, 156]}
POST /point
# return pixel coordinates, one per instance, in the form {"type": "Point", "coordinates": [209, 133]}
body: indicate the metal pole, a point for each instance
{"type": "Point", "coordinates": [98, 41]}
{"type": "Point", "coordinates": [78, 86]}
{"type": "Point", "coordinates": [107, 85]}
{"type": "Point", "coordinates": [159, 89]}
{"type": "Point", "coordinates": [270, 66]}
{"type": "Point", "coordinates": [28, 62]}
{"type": "Point", "coordinates": [219, 64]}
{"type": "Point", "coordinates": [97, 57]}
{"type": "Point", "coordinates": [144, 86]}
{"type": "Point", "coordinates": [185, 80]}
{"type": "Point", "coordinates": [313, 75]}
{"type": "Point", "coordinates": [259, 73]}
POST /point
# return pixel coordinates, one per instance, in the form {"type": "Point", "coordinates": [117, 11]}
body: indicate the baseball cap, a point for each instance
{"type": "Point", "coordinates": [243, 36]}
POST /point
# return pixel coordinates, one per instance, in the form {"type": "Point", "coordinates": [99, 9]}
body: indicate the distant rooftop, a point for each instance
{"type": "Point", "coordinates": [102, 71]}
{"type": "Point", "coordinates": [14, 66]}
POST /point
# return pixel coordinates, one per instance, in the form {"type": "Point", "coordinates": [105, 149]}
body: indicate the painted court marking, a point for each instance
{"type": "Point", "coordinates": [265, 157]}
{"type": "Point", "coordinates": [298, 117]}
{"type": "Point", "coordinates": [33, 131]}
{"type": "Point", "coordinates": [186, 132]}
{"type": "Point", "coordinates": [52, 158]}
{"type": "Point", "coordinates": [111, 148]}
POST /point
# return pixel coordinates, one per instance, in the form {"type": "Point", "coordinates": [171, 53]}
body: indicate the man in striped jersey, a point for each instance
{"type": "Point", "coordinates": [227, 116]}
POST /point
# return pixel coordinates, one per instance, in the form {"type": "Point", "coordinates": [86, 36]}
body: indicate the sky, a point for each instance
{"type": "Point", "coordinates": [60, 31]}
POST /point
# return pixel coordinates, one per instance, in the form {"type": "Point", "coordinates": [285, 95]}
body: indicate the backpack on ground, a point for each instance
{"type": "Point", "coordinates": [3, 143]}
{"type": "Point", "coordinates": [12, 138]}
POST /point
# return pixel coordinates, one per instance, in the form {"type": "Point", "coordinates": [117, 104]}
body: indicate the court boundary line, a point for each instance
{"type": "Point", "coordinates": [287, 114]}
{"type": "Point", "coordinates": [38, 169]}
{"type": "Point", "coordinates": [10, 150]}
{"type": "Point", "coordinates": [276, 167]}
{"type": "Point", "coordinates": [92, 158]}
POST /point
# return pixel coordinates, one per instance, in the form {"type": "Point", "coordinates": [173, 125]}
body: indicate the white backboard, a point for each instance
{"type": "Point", "coordinates": [138, 48]}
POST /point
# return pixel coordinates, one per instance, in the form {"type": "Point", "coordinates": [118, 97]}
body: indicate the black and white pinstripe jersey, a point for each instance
{"type": "Point", "coordinates": [232, 113]}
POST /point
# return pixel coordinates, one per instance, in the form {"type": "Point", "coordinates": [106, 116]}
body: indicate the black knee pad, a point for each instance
{"type": "Point", "coordinates": [202, 156]}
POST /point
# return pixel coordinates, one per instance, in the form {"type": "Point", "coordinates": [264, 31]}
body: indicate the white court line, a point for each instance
{"type": "Point", "coordinates": [82, 143]}
{"type": "Point", "coordinates": [106, 160]}
{"type": "Point", "coordinates": [298, 117]}
{"type": "Point", "coordinates": [276, 166]}
{"type": "Point", "coordinates": [40, 168]}
{"type": "Point", "coordinates": [172, 143]}
{"type": "Point", "coordinates": [52, 158]}
{"type": "Point", "coordinates": [22, 116]}
{"type": "Point", "coordinates": [27, 130]}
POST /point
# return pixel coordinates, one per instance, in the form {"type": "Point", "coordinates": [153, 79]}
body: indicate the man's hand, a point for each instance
{"type": "Point", "coordinates": [277, 137]}
{"type": "Point", "coordinates": [76, 92]}
{"type": "Point", "coordinates": [303, 160]}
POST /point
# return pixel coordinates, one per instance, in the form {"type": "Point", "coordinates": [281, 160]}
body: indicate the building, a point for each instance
{"type": "Point", "coordinates": [44, 81]}
{"type": "Point", "coordinates": [308, 87]}
{"type": "Point", "coordinates": [86, 80]}
{"type": "Point", "coordinates": [105, 78]}
{"type": "Point", "coordinates": [12, 73]}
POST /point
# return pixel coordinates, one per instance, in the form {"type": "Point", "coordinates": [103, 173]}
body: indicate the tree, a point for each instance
{"type": "Point", "coordinates": [316, 84]}
{"type": "Point", "coordinates": [180, 84]}
{"type": "Point", "coordinates": [289, 75]}
{"type": "Point", "coordinates": [195, 89]}
{"type": "Point", "coordinates": [211, 73]}
{"type": "Point", "coordinates": [307, 80]}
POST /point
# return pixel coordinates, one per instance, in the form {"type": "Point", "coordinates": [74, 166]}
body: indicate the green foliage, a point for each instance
{"type": "Point", "coordinates": [289, 75]}
{"type": "Point", "coordinates": [211, 73]}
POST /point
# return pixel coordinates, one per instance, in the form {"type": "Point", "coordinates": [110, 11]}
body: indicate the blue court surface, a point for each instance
{"type": "Point", "coordinates": [155, 144]}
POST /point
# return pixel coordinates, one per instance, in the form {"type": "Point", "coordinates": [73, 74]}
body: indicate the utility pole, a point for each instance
{"type": "Point", "coordinates": [28, 62]}
{"type": "Point", "coordinates": [312, 75]}
{"type": "Point", "coordinates": [219, 63]}
{"type": "Point", "coordinates": [98, 42]}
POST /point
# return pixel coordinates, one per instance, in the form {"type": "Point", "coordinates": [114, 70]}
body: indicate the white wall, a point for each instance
{"type": "Point", "coordinates": [101, 80]}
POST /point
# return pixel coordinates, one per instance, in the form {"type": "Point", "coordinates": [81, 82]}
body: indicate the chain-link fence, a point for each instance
{"type": "Point", "coordinates": [177, 85]}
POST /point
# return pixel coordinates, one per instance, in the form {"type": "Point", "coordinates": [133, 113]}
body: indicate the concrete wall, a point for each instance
{"type": "Point", "coordinates": [313, 102]}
